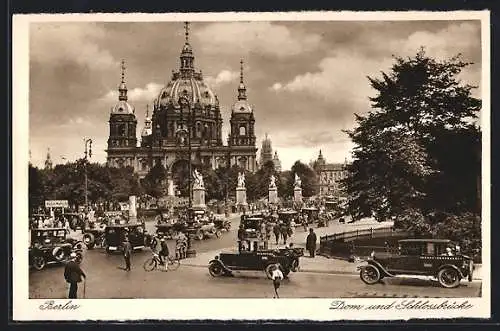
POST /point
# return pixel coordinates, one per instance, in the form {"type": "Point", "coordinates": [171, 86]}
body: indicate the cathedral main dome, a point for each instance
{"type": "Point", "coordinates": [186, 82]}
{"type": "Point", "coordinates": [192, 86]}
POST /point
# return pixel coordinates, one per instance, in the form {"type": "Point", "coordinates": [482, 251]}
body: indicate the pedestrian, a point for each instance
{"type": "Point", "coordinates": [127, 251]}
{"type": "Point", "coordinates": [277, 277]}
{"type": "Point", "coordinates": [241, 237]}
{"type": "Point", "coordinates": [284, 232]}
{"type": "Point", "coordinates": [311, 242]}
{"type": "Point", "coordinates": [73, 275]}
{"type": "Point", "coordinates": [277, 232]}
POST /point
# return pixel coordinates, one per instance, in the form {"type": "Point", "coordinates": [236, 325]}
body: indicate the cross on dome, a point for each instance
{"type": "Point", "coordinates": [186, 31]}
{"type": "Point", "coordinates": [242, 90]}
{"type": "Point", "coordinates": [123, 71]}
{"type": "Point", "coordinates": [241, 71]}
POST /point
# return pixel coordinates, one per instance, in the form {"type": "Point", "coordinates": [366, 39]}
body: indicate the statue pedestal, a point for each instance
{"type": "Point", "coordinates": [241, 196]}
{"type": "Point", "coordinates": [170, 187]}
{"type": "Point", "coordinates": [132, 209]}
{"type": "Point", "coordinates": [297, 194]}
{"type": "Point", "coordinates": [273, 195]}
{"type": "Point", "coordinates": [199, 197]}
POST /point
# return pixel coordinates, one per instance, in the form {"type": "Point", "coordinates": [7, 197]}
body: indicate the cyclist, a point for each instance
{"type": "Point", "coordinates": [163, 251]}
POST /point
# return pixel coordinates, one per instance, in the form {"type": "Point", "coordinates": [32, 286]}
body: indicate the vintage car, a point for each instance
{"type": "Point", "coordinates": [93, 235]}
{"type": "Point", "coordinates": [169, 230]}
{"type": "Point", "coordinates": [50, 245]}
{"type": "Point", "coordinates": [115, 236]}
{"type": "Point", "coordinates": [254, 226]}
{"type": "Point", "coordinates": [255, 260]}
{"type": "Point", "coordinates": [222, 224]}
{"type": "Point", "coordinates": [289, 217]}
{"type": "Point", "coordinates": [437, 258]}
{"type": "Point", "coordinates": [312, 214]}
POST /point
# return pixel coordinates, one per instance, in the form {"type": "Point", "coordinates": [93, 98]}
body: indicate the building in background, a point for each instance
{"type": "Point", "coordinates": [165, 134]}
{"type": "Point", "coordinates": [48, 160]}
{"type": "Point", "coordinates": [330, 176]}
{"type": "Point", "coordinates": [277, 162]}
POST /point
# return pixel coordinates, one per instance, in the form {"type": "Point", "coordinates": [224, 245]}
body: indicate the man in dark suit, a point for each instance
{"type": "Point", "coordinates": [73, 275]}
{"type": "Point", "coordinates": [311, 242]}
{"type": "Point", "coordinates": [127, 251]}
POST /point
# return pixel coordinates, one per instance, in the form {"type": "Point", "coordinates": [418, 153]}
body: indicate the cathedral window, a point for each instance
{"type": "Point", "coordinates": [243, 130]}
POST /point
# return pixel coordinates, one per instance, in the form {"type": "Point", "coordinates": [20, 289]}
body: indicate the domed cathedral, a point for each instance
{"type": "Point", "coordinates": [185, 105]}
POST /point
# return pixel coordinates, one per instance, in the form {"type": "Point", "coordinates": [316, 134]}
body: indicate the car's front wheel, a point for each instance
{"type": "Point", "coordinates": [39, 262]}
{"type": "Point", "coordinates": [215, 269]}
{"type": "Point", "coordinates": [448, 277]}
{"type": "Point", "coordinates": [199, 235]}
{"type": "Point", "coordinates": [369, 274]}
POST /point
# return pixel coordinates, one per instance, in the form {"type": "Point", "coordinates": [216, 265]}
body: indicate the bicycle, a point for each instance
{"type": "Point", "coordinates": [154, 263]}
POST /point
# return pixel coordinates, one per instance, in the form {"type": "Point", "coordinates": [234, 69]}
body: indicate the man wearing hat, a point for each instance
{"type": "Point", "coordinates": [127, 251]}
{"type": "Point", "coordinates": [73, 275]}
{"type": "Point", "coordinates": [164, 252]}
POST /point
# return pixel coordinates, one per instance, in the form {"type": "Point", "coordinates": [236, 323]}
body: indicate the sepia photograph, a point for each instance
{"type": "Point", "coordinates": [341, 159]}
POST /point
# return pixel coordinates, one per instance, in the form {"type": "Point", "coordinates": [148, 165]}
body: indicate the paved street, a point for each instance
{"type": "Point", "coordinates": [106, 280]}
{"type": "Point", "coordinates": [191, 280]}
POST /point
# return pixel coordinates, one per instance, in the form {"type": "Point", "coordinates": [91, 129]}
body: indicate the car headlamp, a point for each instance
{"type": "Point", "coordinates": [372, 254]}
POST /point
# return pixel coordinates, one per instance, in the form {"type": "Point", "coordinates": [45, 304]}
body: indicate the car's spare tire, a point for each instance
{"type": "Point", "coordinates": [89, 240]}
{"type": "Point", "coordinates": [58, 253]}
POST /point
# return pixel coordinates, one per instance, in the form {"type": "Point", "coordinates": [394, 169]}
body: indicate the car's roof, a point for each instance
{"type": "Point", "coordinates": [253, 218]}
{"type": "Point", "coordinates": [48, 229]}
{"type": "Point", "coordinates": [287, 212]}
{"type": "Point", "coordinates": [440, 241]}
{"type": "Point", "coordinates": [309, 208]}
{"type": "Point", "coordinates": [123, 225]}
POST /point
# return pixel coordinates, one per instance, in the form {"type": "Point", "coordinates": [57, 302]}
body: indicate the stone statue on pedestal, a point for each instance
{"type": "Point", "coordinates": [198, 179]}
{"type": "Point", "coordinates": [272, 184]}
{"type": "Point", "coordinates": [298, 182]}
{"type": "Point", "coordinates": [241, 179]}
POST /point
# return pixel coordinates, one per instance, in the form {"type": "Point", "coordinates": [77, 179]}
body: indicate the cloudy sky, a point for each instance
{"type": "Point", "coordinates": [305, 79]}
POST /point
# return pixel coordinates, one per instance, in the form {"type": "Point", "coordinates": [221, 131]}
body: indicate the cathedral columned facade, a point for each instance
{"type": "Point", "coordinates": [164, 137]}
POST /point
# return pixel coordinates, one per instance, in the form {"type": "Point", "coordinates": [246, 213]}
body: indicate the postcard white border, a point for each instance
{"type": "Point", "coordinates": [25, 309]}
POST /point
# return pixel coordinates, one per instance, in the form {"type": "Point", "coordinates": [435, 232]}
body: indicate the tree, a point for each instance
{"type": "Point", "coordinates": [416, 152]}
{"type": "Point", "coordinates": [154, 182]}
{"type": "Point", "coordinates": [307, 176]}
{"type": "Point", "coordinates": [37, 182]}
{"type": "Point", "coordinates": [263, 178]}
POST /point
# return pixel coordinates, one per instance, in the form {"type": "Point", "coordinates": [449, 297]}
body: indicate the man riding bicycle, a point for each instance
{"type": "Point", "coordinates": [163, 251]}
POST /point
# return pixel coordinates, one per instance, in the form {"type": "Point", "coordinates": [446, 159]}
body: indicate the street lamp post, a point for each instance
{"type": "Point", "coordinates": [88, 154]}
{"type": "Point", "coordinates": [185, 104]}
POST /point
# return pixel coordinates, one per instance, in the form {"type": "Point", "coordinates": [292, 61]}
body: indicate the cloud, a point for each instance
{"type": "Point", "coordinates": [146, 93]}
{"type": "Point", "coordinates": [52, 44]}
{"type": "Point", "coordinates": [260, 37]}
{"type": "Point", "coordinates": [342, 76]}
{"type": "Point", "coordinates": [223, 77]}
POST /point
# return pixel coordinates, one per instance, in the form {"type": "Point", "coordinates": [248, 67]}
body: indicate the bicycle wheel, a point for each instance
{"type": "Point", "coordinates": [173, 264]}
{"type": "Point", "coordinates": [150, 264]}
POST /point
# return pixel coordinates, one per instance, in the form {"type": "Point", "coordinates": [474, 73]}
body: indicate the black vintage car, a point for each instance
{"type": "Point", "coordinates": [170, 230]}
{"type": "Point", "coordinates": [93, 235]}
{"type": "Point", "coordinates": [255, 260]}
{"type": "Point", "coordinates": [50, 245]}
{"type": "Point", "coordinates": [115, 236]}
{"type": "Point", "coordinates": [312, 214]}
{"type": "Point", "coordinates": [437, 258]}
{"type": "Point", "coordinates": [222, 224]}
{"type": "Point", "coordinates": [289, 217]}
